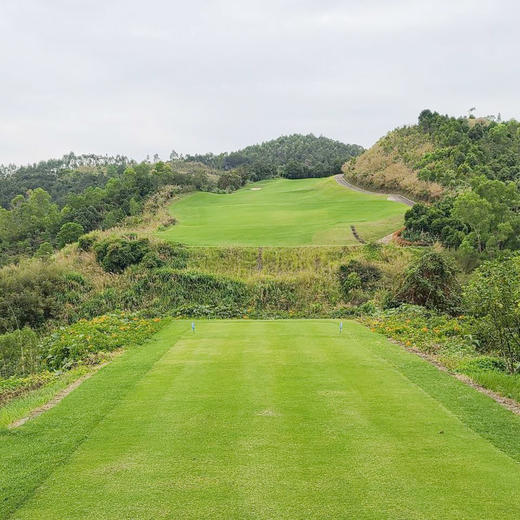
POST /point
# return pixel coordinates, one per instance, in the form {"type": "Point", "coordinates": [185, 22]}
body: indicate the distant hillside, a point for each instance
{"type": "Point", "coordinates": [469, 168]}
{"type": "Point", "coordinates": [59, 177]}
{"type": "Point", "coordinates": [46, 205]}
{"type": "Point", "coordinates": [440, 154]}
{"type": "Point", "coordinates": [292, 156]}
{"type": "Point", "coordinates": [389, 165]}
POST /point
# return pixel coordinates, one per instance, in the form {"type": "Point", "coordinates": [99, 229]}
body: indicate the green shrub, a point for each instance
{"type": "Point", "coordinates": [357, 275]}
{"type": "Point", "coordinates": [482, 363]}
{"type": "Point", "coordinates": [85, 242]}
{"type": "Point", "coordinates": [431, 281]}
{"type": "Point", "coordinates": [493, 296]}
{"type": "Point", "coordinates": [44, 251]}
{"type": "Point", "coordinates": [103, 302]}
{"type": "Point", "coordinates": [69, 232]}
{"type": "Point", "coordinates": [36, 292]}
{"type": "Point", "coordinates": [116, 254]}
{"type": "Point", "coordinates": [152, 260]}
{"type": "Point", "coordinates": [175, 255]}
{"type": "Point", "coordinates": [275, 294]}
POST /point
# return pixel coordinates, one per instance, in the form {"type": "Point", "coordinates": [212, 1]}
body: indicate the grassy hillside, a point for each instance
{"type": "Point", "coordinates": [282, 419]}
{"type": "Point", "coordinates": [283, 213]}
{"type": "Point", "coordinates": [440, 154]}
{"type": "Point", "coordinates": [390, 165]}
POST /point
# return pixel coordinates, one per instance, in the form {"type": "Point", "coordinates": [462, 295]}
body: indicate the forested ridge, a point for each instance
{"type": "Point", "coordinates": [292, 156]}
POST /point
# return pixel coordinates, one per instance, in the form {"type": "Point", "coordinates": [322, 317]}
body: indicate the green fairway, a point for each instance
{"type": "Point", "coordinates": [283, 212]}
{"type": "Point", "coordinates": [261, 420]}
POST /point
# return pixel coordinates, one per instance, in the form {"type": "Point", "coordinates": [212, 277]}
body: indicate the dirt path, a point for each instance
{"type": "Point", "coordinates": [393, 197]}
{"type": "Point", "coordinates": [56, 399]}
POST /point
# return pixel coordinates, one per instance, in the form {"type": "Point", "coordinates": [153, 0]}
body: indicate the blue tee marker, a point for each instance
{"type": "Point", "coordinates": [340, 327]}
{"type": "Point", "coordinates": [193, 326]}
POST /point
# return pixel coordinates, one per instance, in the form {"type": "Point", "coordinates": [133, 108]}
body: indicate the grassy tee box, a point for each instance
{"type": "Point", "coordinates": [265, 419]}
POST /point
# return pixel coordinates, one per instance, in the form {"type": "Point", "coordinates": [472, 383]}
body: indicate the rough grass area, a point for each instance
{"type": "Point", "coordinates": [390, 165]}
{"type": "Point", "coordinates": [265, 419]}
{"type": "Point", "coordinates": [283, 213]}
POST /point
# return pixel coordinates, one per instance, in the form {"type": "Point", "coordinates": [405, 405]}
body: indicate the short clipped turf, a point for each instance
{"type": "Point", "coordinates": [262, 420]}
{"type": "Point", "coordinates": [283, 212]}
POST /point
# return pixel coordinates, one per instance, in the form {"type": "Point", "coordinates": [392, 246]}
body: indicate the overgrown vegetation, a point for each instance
{"type": "Point", "coordinates": [458, 342]}
{"type": "Point", "coordinates": [469, 168]}
{"type": "Point", "coordinates": [28, 361]}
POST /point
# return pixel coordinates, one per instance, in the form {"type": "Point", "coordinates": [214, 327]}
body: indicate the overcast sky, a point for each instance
{"type": "Point", "coordinates": [141, 77]}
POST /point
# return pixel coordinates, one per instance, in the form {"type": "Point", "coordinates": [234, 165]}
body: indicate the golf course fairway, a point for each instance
{"type": "Point", "coordinates": [283, 212]}
{"type": "Point", "coordinates": [265, 420]}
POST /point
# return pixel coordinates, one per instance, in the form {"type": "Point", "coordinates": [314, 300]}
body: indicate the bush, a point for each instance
{"type": "Point", "coordinates": [85, 242]}
{"type": "Point", "coordinates": [175, 255]}
{"type": "Point", "coordinates": [116, 254]}
{"type": "Point", "coordinates": [482, 363]}
{"type": "Point", "coordinates": [431, 281]}
{"type": "Point", "coordinates": [35, 292]}
{"type": "Point", "coordinates": [493, 296]}
{"type": "Point", "coordinates": [44, 251]}
{"type": "Point", "coordinates": [151, 260]}
{"type": "Point", "coordinates": [355, 275]}
{"type": "Point", "coordinates": [69, 232]}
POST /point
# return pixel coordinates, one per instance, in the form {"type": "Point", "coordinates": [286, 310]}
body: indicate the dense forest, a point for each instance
{"type": "Point", "coordinates": [293, 156]}
{"type": "Point", "coordinates": [39, 220]}
{"type": "Point", "coordinates": [59, 177]}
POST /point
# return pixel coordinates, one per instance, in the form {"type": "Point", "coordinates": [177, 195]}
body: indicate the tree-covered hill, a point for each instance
{"type": "Point", "coordinates": [469, 168]}
{"type": "Point", "coordinates": [59, 177]}
{"type": "Point", "coordinates": [292, 156]}
{"type": "Point", "coordinates": [439, 154]}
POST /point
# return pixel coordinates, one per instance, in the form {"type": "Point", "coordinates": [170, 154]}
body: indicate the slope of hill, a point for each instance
{"type": "Point", "coordinates": [283, 212]}
{"type": "Point", "coordinates": [389, 165]}
{"type": "Point", "coordinates": [468, 168]}
{"type": "Point", "coordinates": [440, 154]}
{"type": "Point", "coordinates": [293, 156]}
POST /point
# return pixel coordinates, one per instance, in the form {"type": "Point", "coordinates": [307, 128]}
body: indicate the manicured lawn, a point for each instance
{"type": "Point", "coordinates": [283, 212]}
{"type": "Point", "coordinates": [263, 420]}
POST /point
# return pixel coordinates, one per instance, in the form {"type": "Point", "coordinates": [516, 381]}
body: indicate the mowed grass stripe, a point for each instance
{"type": "Point", "coordinates": [29, 454]}
{"type": "Point", "coordinates": [478, 411]}
{"type": "Point", "coordinates": [282, 419]}
{"type": "Point", "coordinates": [283, 212]}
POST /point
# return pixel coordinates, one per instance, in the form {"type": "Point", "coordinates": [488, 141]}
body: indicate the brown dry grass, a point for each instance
{"type": "Point", "coordinates": [389, 166]}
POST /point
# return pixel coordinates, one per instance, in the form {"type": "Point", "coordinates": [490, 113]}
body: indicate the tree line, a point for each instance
{"type": "Point", "coordinates": [293, 156]}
